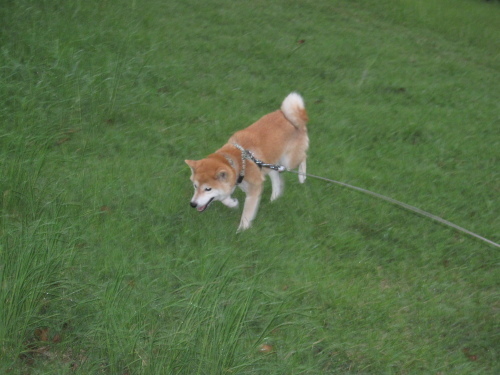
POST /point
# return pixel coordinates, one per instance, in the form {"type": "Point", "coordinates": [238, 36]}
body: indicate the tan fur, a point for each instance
{"type": "Point", "coordinates": [277, 138]}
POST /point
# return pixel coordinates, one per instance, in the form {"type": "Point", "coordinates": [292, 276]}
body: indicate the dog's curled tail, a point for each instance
{"type": "Point", "coordinates": [294, 110]}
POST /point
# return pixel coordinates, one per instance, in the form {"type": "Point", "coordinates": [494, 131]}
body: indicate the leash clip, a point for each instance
{"type": "Point", "coordinates": [274, 167]}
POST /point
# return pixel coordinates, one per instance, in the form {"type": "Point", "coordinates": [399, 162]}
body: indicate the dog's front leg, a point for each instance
{"type": "Point", "coordinates": [250, 208]}
{"type": "Point", "coordinates": [230, 202]}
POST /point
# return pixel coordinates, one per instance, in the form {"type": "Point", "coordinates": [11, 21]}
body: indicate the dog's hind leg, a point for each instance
{"type": "Point", "coordinates": [277, 184]}
{"type": "Point", "coordinates": [302, 171]}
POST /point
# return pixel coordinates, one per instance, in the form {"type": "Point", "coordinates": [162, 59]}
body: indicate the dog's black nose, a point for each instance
{"type": "Point", "coordinates": [193, 204]}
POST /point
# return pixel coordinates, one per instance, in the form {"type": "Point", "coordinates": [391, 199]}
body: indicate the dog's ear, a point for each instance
{"type": "Point", "coordinates": [191, 163]}
{"type": "Point", "coordinates": [221, 175]}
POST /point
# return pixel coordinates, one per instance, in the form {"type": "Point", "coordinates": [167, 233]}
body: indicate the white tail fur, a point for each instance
{"type": "Point", "coordinates": [294, 110]}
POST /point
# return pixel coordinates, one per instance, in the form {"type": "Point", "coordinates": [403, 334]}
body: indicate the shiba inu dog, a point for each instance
{"type": "Point", "coordinates": [278, 138]}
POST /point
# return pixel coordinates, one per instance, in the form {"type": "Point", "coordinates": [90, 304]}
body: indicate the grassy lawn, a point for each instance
{"type": "Point", "coordinates": [104, 267]}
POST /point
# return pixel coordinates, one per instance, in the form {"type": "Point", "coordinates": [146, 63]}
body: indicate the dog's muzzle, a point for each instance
{"type": "Point", "coordinates": [201, 208]}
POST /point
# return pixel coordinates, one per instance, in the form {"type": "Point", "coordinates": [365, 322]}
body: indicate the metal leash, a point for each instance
{"type": "Point", "coordinates": [395, 202]}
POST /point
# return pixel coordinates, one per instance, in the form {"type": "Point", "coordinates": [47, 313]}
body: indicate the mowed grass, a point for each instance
{"type": "Point", "coordinates": [104, 267]}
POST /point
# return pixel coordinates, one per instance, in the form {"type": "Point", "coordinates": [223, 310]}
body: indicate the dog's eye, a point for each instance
{"type": "Point", "coordinates": [194, 185]}
{"type": "Point", "coordinates": [208, 189]}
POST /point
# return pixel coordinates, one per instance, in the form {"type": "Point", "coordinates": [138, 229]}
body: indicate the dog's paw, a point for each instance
{"type": "Point", "coordinates": [302, 178]}
{"type": "Point", "coordinates": [244, 225]}
{"type": "Point", "coordinates": [275, 196]}
{"type": "Point", "coordinates": [242, 228]}
{"type": "Point", "coordinates": [231, 202]}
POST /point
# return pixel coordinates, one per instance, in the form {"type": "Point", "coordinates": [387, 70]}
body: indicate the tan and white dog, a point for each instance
{"type": "Point", "coordinates": [278, 138]}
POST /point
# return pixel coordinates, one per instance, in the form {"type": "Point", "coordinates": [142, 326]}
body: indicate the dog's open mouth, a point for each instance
{"type": "Point", "coordinates": [203, 208]}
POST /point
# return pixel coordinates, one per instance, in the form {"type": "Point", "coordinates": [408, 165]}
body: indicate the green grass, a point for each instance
{"type": "Point", "coordinates": [104, 267]}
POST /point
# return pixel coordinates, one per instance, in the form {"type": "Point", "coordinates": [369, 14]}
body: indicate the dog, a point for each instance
{"type": "Point", "coordinates": [278, 138]}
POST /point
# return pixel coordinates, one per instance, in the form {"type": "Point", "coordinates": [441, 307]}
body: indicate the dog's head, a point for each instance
{"type": "Point", "coordinates": [212, 180]}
